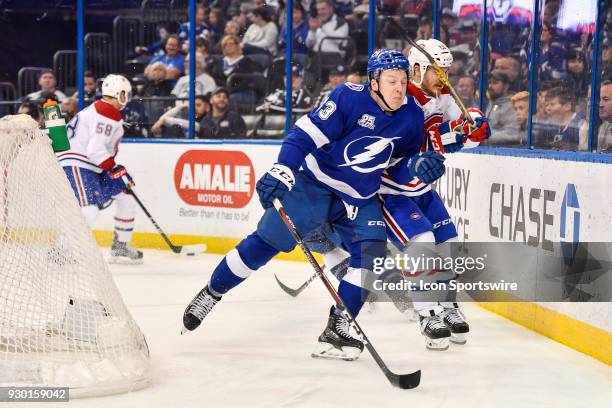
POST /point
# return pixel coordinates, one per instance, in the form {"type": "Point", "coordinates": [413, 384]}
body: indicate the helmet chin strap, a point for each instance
{"type": "Point", "coordinates": [389, 111]}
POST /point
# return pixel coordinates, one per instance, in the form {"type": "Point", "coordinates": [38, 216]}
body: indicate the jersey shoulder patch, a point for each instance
{"type": "Point", "coordinates": [107, 110]}
{"type": "Point", "coordinates": [354, 86]}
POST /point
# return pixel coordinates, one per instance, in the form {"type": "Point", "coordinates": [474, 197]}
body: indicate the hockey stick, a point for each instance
{"type": "Point", "coordinates": [403, 381]}
{"type": "Point", "coordinates": [434, 64]}
{"type": "Point", "coordinates": [177, 249]}
{"type": "Point", "coordinates": [295, 292]}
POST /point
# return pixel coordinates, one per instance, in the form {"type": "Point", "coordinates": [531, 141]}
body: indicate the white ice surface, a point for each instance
{"type": "Point", "coordinates": [253, 350]}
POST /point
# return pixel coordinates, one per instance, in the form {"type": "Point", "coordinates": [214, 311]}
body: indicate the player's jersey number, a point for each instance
{"type": "Point", "coordinates": [104, 129]}
{"type": "Point", "coordinates": [327, 109]}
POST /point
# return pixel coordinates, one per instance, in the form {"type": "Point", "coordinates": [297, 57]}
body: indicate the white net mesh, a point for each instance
{"type": "Point", "coordinates": [62, 319]}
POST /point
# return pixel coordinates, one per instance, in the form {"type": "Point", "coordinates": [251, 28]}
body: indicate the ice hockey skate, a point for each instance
{"type": "Point", "coordinates": [436, 332]}
{"type": "Point", "coordinates": [336, 340]}
{"type": "Point", "coordinates": [455, 321]}
{"type": "Point", "coordinates": [198, 309]}
{"type": "Point", "coordinates": [123, 253]}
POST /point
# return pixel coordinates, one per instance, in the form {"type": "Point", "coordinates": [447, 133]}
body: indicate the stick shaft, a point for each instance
{"type": "Point", "coordinates": [435, 65]}
{"type": "Point", "coordinates": [173, 247]}
{"type": "Point", "coordinates": [403, 381]}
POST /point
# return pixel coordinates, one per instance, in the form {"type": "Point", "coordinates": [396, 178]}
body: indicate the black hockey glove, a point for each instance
{"type": "Point", "coordinates": [428, 167]}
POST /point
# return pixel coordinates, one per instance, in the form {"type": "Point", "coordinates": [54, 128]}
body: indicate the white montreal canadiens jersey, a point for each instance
{"type": "Point", "coordinates": [435, 110]}
{"type": "Point", "coordinates": [355, 141]}
{"type": "Point", "coordinates": [94, 133]}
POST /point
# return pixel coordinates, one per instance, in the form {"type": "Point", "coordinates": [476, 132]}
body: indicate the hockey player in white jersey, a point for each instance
{"type": "Point", "coordinates": [414, 213]}
{"type": "Point", "coordinates": [95, 134]}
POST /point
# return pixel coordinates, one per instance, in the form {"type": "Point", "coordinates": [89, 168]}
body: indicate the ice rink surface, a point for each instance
{"type": "Point", "coordinates": [253, 350]}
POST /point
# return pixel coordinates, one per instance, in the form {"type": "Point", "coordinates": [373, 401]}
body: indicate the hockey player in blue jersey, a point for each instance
{"type": "Point", "coordinates": [416, 217]}
{"type": "Point", "coordinates": [342, 149]}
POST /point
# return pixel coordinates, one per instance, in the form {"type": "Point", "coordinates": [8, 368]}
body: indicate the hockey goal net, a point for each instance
{"type": "Point", "coordinates": [62, 319]}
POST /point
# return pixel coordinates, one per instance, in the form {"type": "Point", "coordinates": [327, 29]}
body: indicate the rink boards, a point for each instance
{"type": "Point", "coordinates": [202, 191]}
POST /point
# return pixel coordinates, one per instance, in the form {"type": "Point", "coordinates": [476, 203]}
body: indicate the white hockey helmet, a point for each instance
{"type": "Point", "coordinates": [118, 87]}
{"type": "Point", "coordinates": [437, 49]}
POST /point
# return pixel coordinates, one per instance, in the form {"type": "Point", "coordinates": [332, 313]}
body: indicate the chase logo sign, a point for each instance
{"type": "Point", "coordinates": [569, 226]}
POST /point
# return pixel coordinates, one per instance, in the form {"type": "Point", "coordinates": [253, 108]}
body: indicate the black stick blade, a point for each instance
{"type": "Point", "coordinates": [405, 381]}
{"type": "Point", "coordinates": [287, 289]}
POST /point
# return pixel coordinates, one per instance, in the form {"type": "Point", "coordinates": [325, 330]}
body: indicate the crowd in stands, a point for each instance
{"type": "Point", "coordinates": [563, 78]}
{"type": "Point", "coordinates": [239, 64]}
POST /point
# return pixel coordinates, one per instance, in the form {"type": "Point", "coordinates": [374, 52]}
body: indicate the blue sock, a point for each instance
{"type": "Point", "coordinates": [353, 296]}
{"type": "Point", "coordinates": [250, 254]}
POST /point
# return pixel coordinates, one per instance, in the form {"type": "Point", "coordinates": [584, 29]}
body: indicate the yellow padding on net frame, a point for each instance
{"type": "Point", "coordinates": [28, 235]}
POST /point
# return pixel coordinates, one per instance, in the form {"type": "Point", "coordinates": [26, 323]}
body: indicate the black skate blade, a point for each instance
{"type": "Point", "coordinates": [287, 289]}
{"type": "Point", "coordinates": [405, 381]}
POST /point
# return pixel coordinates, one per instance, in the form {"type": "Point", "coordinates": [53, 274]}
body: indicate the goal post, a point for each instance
{"type": "Point", "coordinates": [63, 322]}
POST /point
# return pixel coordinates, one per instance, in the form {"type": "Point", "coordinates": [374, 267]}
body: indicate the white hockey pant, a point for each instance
{"type": "Point", "coordinates": [422, 300]}
{"type": "Point", "coordinates": [125, 211]}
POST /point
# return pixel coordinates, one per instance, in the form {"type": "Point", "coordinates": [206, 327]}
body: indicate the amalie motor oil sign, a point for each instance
{"type": "Point", "coordinates": [215, 178]}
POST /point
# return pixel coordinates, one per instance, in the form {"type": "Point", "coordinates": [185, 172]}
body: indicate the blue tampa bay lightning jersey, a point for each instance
{"type": "Point", "coordinates": [349, 140]}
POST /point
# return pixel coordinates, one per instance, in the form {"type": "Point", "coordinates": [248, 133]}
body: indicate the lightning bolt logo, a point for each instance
{"type": "Point", "coordinates": [370, 152]}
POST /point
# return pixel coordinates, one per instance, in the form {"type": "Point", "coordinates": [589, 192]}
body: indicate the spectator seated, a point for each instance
{"type": "Point", "coordinates": [202, 28]}
{"type": "Point", "coordinates": [47, 84]}
{"type": "Point", "coordinates": [175, 124]}
{"type": "Point", "coordinates": [221, 122]}
{"type": "Point", "coordinates": [300, 33]}
{"type": "Point", "coordinates": [564, 123]}
{"type": "Point", "coordinates": [327, 24]}
{"type": "Point", "coordinates": [144, 53]}
{"type": "Point", "coordinates": [604, 133]}
{"type": "Point", "coordinates": [204, 83]}
{"type": "Point", "coordinates": [301, 100]}
{"type": "Point", "coordinates": [234, 62]}
{"type": "Point", "coordinates": [262, 34]}
{"type": "Point", "coordinates": [172, 59]}
{"type": "Point", "coordinates": [156, 83]}
{"type": "Point", "coordinates": [504, 127]}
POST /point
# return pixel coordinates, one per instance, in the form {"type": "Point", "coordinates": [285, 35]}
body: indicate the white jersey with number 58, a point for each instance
{"type": "Point", "coordinates": [94, 134]}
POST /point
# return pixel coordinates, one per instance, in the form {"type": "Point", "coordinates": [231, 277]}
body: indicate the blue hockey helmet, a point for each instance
{"type": "Point", "coordinates": [385, 58]}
